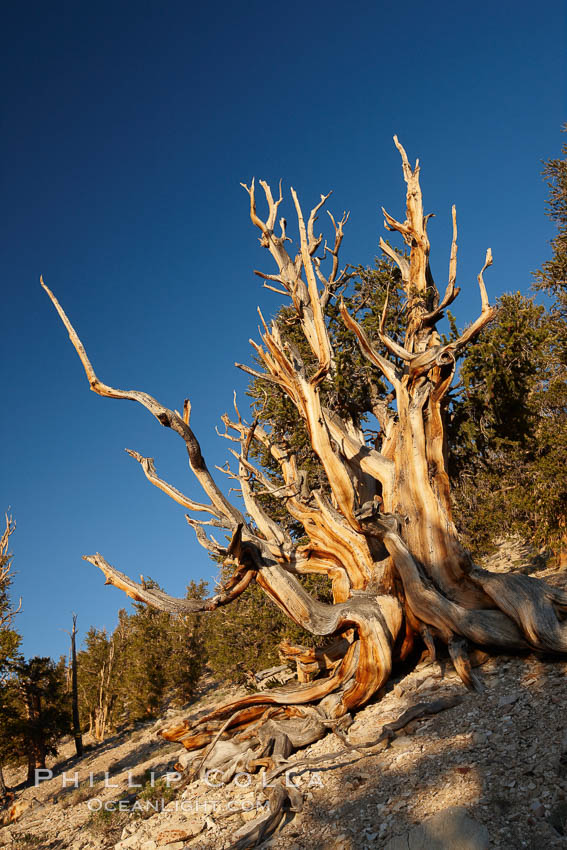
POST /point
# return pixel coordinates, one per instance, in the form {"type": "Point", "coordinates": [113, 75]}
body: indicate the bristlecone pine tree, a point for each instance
{"type": "Point", "coordinates": [381, 529]}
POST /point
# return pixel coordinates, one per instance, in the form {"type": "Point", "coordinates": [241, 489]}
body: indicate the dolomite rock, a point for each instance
{"type": "Point", "coordinates": [450, 829]}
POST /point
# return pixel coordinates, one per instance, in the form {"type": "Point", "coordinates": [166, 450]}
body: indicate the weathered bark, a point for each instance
{"type": "Point", "coordinates": [384, 536]}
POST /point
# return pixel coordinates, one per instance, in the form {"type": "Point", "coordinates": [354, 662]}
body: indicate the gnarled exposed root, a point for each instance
{"type": "Point", "coordinates": [281, 798]}
{"type": "Point", "coordinates": [311, 662]}
{"type": "Point", "coordinates": [537, 608]}
{"type": "Point", "coordinates": [253, 730]}
{"type": "Point", "coordinates": [458, 650]}
{"type": "Point", "coordinates": [258, 726]}
{"type": "Point", "coordinates": [528, 613]}
{"type": "Point", "coordinates": [288, 797]}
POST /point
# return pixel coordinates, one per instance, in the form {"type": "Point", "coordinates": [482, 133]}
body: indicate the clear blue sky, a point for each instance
{"type": "Point", "coordinates": [127, 128]}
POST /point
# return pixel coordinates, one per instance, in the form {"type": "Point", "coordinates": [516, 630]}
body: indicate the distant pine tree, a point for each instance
{"type": "Point", "coordinates": [150, 656]}
{"type": "Point", "coordinates": [9, 649]}
{"type": "Point", "coordinates": [42, 713]}
{"type": "Point", "coordinates": [99, 680]}
{"type": "Point", "coordinates": [143, 667]}
{"type": "Point", "coordinates": [187, 653]}
{"type": "Point", "coordinates": [552, 277]}
{"type": "Point", "coordinates": [508, 430]}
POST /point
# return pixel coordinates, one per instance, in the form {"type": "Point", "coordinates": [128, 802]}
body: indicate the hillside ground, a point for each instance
{"type": "Point", "coordinates": [502, 754]}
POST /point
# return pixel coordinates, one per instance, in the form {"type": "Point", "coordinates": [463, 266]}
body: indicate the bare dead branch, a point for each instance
{"type": "Point", "coordinates": [322, 350]}
{"type": "Point", "coordinates": [390, 344]}
{"type": "Point", "coordinates": [486, 315]}
{"type": "Point", "coordinates": [263, 376]}
{"type": "Point", "coordinates": [5, 570]}
{"type": "Point", "coordinates": [208, 543]}
{"type": "Point", "coordinates": [355, 450]}
{"type": "Point", "coordinates": [388, 369]}
{"type": "Point", "coordinates": [401, 261]}
{"type": "Point", "coordinates": [482, 287]}
{"type": "Point", "coordinates": [148, 465]}
{"type": "Point", "coordinates": [162, 601]}
{"type": "Point", "coordinates": [165, 417]}
{"type": "Point", "coordinates": [276, 536]}
{"type": "Point", "coordinates": [313, 242]}
{"type": "Point", "coordinates": [451, 291]}
{"type": "Point", "coordinates": [277, 291]}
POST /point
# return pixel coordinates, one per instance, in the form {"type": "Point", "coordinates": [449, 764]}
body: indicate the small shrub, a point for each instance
{"type": "Point", "coordinates": [154, 794]}
{"type": "Point", "coordinates": [25, 840]}
{"type": "Point", "coordinates": [107, 824]}
{"type": "Point", "coordinates": [74, 796]}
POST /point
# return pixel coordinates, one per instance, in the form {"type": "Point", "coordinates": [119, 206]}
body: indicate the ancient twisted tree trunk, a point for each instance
{"type": "Point", "coordinates": [383, 534]}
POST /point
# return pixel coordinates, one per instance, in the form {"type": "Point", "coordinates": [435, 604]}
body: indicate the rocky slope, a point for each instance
{"type": "Point", "coordinates": [489, 772]}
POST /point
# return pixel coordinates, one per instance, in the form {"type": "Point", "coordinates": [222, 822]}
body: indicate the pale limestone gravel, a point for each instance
{"type": "Point", "coordinates": [497, 754]}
